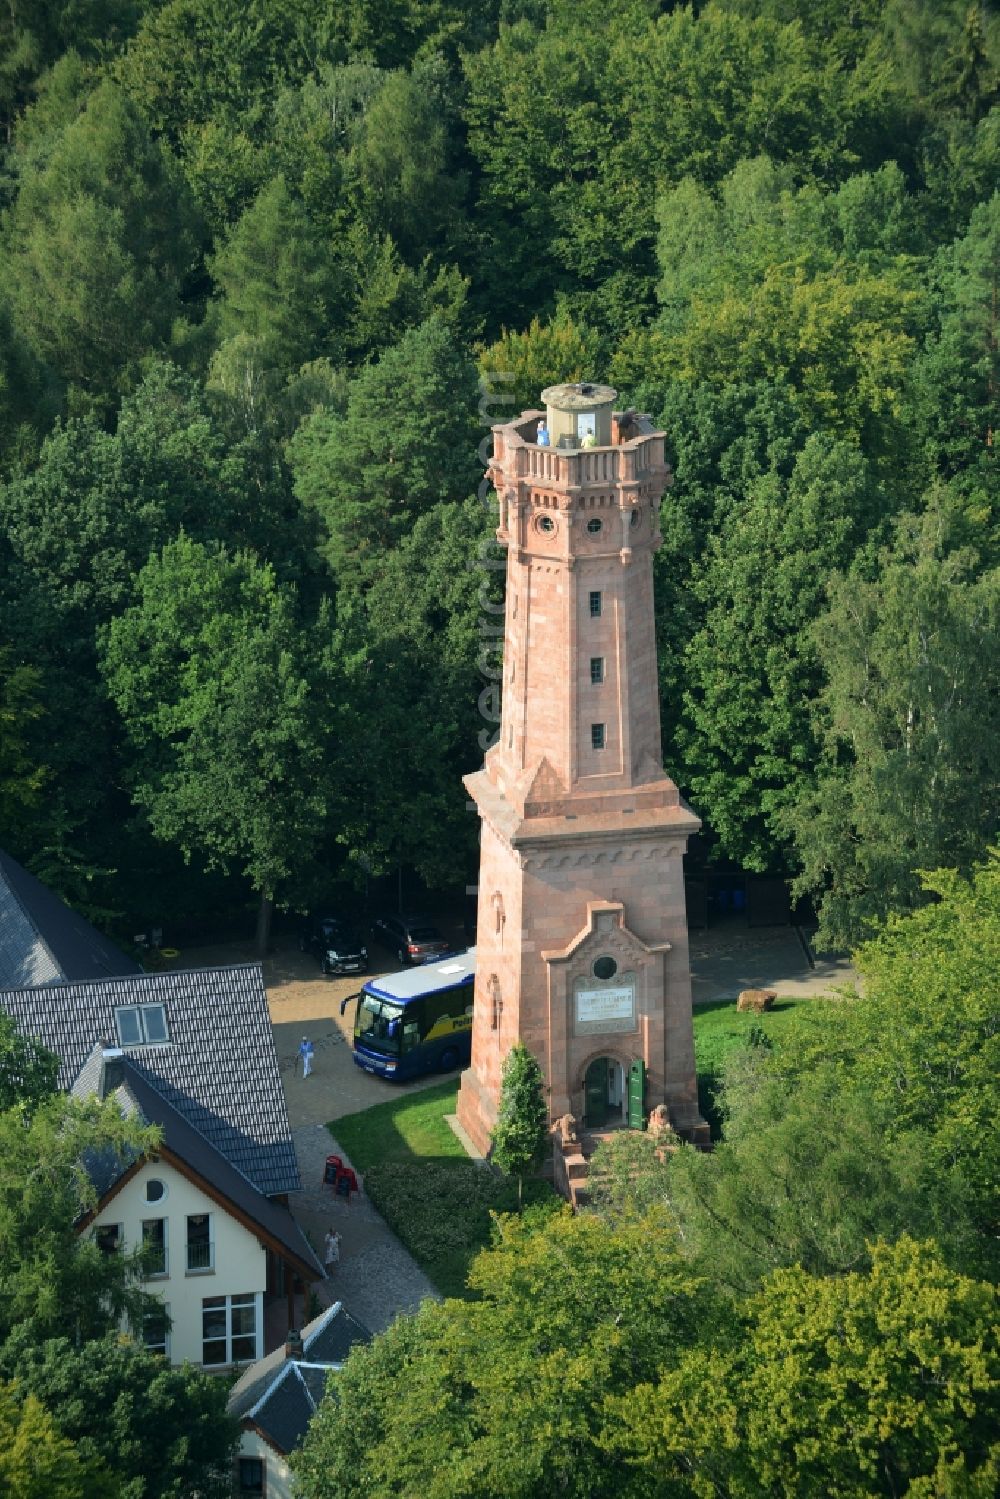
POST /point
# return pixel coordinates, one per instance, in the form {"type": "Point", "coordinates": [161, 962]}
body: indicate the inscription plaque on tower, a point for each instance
{"type": "Point", "coordinates": [605, 1010]}
{"type": "Point", "coordinates": [582, 830]}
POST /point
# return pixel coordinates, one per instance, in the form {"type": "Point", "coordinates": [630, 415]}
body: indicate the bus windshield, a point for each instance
{"type": "Point", "coordinates": [377, 1023]}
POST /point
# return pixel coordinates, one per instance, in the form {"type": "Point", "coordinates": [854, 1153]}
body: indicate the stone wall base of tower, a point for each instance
{"type": "Point", "coordinates": [476, 1112]}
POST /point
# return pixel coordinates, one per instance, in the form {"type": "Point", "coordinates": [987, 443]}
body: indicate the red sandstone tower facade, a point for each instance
{"type": "Point", "coordinates": [582, 948]}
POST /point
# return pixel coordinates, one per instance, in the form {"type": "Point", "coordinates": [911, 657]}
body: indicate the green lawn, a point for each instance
{"type": "Point", "coordinates": [719, 1027]}
{"type": "Point", "coordinates": [425, 1186]}
{"type": "Point", "coordinates": [409, 1128]}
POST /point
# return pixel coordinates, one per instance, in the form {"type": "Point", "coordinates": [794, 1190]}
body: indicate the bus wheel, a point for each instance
{"type": "Point", "coordinates": [449, 1060]}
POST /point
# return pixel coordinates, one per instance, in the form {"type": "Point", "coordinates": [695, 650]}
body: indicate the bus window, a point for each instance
{"type": "Point", "coordinates": [377, 1024]}
{"type": "Point", "coordinates": [441, 1012]}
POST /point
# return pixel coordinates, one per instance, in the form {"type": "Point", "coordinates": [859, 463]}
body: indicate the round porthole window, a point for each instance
{"type": "Point", "coordinates": [156, 1190]}
{"type": "Point", "coordinates": [605, 968]}
{"type": "Point", "coordinates": [595, 526]}
{"type": "Point", "coordinates": [635, 518]}
{"type": "Point", "coordinates": [546, 523]}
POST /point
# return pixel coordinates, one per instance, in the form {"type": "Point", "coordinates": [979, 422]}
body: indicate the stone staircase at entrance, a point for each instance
{"type": "Point", "coordinates": [572, 1152]}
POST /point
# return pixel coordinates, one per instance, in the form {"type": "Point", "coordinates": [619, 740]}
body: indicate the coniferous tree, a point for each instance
{"type": "Point", "coordinates": [521, 1129]}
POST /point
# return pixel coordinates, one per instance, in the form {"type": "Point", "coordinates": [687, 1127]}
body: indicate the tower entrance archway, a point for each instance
{"type": "Point", "coordinates": [604, 1095]}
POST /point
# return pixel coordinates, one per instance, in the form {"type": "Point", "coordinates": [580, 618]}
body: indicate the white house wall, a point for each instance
{"type": "Point", "coordinates": [280, 1483]}
{"type": "Point", "coordinates": [240, 1260]}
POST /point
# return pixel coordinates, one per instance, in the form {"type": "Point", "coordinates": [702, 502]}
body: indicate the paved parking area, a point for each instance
{"type": "Point", "coordinates": [732, 956]}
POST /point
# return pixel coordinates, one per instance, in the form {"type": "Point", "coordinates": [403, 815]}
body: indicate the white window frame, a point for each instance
{"type": "Point", "coordinates": [165, 1272]}
{"type": "Point", "coordinates": [208, 1269]}
{"type": "Point", "coordinates": [155, 1347]}
{"type": "Point", "coordinates": [239, 1301]}
{"type": "Point", "coordinates": [140, 1012]}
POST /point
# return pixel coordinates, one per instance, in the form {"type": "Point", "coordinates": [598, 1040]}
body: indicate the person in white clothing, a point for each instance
{"type": "Point", "coordinates": [306, 1053]}
{"type": "Point", "coordinates": [331, 1252]}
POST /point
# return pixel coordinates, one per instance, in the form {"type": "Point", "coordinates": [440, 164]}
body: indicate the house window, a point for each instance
{"type": "Point", "coordinates": [154, 1245]}
{"type": "Point", "coordinates": [597, 736]}
{"type": "Point", "coordinates": [200, 1249]}
{"type": "Point", "coordinates": [228, 1329]}
{"type": "Point", "coordinates": [243, 1316]}
{"type": "Point", "coordinates": [251, 1476]}
{"type": "Point", "coordinates": [109, 1237]}
{"type": "Point", "coordinates": [141, 1025]}
{"type": "Point", "coordinates": [596, 670]}
{"type": "Point", "coordinates": [155, 1325]}
{"type": "Point", "coordinates": [595, 526]}
{"type": "Point", "coordinates": [595, 605]}
{"type": "Point", "coordinates": [156, 1191]}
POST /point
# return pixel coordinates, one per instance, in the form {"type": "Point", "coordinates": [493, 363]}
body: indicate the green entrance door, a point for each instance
{"type": "Point", "coordinates": [637, 1094]}
{"type": "Point", "coordinates": [595, 1094]}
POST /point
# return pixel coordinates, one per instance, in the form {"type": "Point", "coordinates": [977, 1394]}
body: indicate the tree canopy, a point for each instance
{"type": "Point", "coordinates": [269, 275]}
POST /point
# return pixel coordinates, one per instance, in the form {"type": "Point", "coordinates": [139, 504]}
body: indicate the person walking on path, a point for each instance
{"type": "Point", "coordinates": [331, 1251]}
{"type": "Point", "coordinates": [306, 1053]}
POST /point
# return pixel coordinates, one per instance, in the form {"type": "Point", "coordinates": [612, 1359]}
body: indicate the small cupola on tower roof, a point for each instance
{"type": "Point", "coordinates": [579, 415]}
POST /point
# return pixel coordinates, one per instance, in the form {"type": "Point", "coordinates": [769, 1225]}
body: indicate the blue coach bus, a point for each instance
{"type": "Point", "coordinates": [417, 1021]}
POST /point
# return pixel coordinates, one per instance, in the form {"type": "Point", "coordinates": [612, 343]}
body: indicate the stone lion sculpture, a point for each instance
{"type": "Point", "coordinates": [566, 1128]}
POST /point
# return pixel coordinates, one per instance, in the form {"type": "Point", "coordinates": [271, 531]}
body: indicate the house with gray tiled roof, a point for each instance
{"type": "Point", "coordinates": [201, 1037]}
{"type": "Point", "coordinates": [219, 1247]}
{"type": "Point", "coordinates": [276, 1399]}
{"type": "Point", "coordinates": [191, 1052]}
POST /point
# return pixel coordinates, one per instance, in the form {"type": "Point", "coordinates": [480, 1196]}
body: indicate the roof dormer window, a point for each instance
{"type": "Point", "coordinates": [142, 1025]}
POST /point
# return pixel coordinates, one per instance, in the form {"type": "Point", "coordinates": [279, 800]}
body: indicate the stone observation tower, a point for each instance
{"type": "Point", "coordinates": [582, 949]}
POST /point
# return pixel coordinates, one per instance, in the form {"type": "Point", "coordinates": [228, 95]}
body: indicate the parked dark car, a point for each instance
{"type": "Point", "coordinates": [335, 943]}
{"type": "Point", "coordinates": [413, 939]}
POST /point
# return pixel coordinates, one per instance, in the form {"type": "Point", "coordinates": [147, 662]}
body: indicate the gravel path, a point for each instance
{"type": "Point", "coordinates": [376, 1278]}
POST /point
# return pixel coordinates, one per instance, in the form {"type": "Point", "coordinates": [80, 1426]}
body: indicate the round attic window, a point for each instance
{"type": "Point", "coordinates": [605, 968]}
{"type": "Point", "coordinates": [156, 1190]}
{"type": "Point", "coordinates": [595, 526]}
{"type": "Point", "coordinates": [546, 523]}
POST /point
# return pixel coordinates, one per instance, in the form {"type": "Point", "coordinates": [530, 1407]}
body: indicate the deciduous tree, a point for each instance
{"type": "Point", "coordinates": [52, 1278]}
{"type": "Point", "coordinates": [512, 1386]}
{"type": "Point", "coordinates": [886, 1382]}
{"type": "Point", "coordinates": [907, 720]}
{"type": "Point", "coordinates": [225, 700]}
{"type": "Point", "coordinates": [160, 1432]}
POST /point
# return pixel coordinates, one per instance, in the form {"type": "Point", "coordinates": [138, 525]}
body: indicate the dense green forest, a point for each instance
{"type": "Point", "coordinates": [269, 269]}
